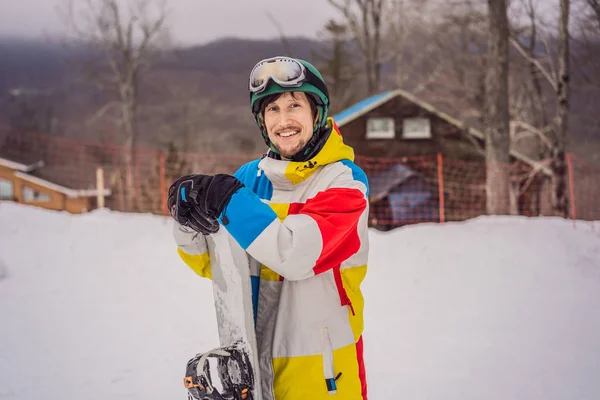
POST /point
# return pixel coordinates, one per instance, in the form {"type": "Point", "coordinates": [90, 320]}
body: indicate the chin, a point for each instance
{"type": "Point", "coordinates": [288, 152]}
{"type": "Point", "coordinates": [286, 155]}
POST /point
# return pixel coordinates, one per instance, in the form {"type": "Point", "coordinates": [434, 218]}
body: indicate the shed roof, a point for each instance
{"type": "Point", "coordinates": [40, 175]}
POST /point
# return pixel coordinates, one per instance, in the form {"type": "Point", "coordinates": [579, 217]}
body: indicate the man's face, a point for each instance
{"type": "Point", "coordinates": [289, 123]}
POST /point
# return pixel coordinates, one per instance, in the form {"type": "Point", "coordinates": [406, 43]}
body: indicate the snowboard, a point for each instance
{"type": "Point", "coordinates": [230, 371]}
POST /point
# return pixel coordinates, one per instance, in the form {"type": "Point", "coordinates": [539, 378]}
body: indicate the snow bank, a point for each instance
{"type": "Point", "coordinates": [99, 306]}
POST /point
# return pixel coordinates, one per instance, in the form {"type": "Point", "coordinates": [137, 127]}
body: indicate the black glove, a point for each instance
{"type": "Point", "coordinates": [196, 201]}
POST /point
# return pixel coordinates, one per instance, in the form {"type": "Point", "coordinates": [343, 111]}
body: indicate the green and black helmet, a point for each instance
{"type": "Point", "coordinates": [284, 74]}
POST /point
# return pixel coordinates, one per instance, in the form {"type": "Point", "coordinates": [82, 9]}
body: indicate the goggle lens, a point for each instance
{"type": "Point", "coordinates": [282, 70]}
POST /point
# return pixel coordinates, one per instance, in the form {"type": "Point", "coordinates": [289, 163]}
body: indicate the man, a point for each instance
{"type": "Point", "coordinates": [300, 212]}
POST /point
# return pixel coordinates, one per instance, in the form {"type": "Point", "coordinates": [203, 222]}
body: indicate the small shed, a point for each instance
{"type": "Point", "coordinates": [36, 184]}
{"type": "Point", "coordinates": [402, 196]}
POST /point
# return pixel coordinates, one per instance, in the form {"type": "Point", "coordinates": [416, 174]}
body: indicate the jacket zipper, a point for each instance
{"type": "Point", "coordinates": [344, 299]}
{"type": "Point", "coordinates": [328, 366]}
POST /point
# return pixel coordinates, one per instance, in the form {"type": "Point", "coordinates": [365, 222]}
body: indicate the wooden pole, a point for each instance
{"type": "Point", "coordinates": [100, 187]}
{"type": "Point", "coordinates": [440, 170]}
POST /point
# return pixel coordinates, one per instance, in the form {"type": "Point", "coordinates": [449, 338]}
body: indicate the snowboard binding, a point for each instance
{"type": "Point", "coordinates": [234, 375]}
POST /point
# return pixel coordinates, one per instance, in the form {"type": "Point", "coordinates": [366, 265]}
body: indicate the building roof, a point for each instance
{"type": "Point", "coordinates": [19, 166]}
{"type": "Point", "coordinates": [38, 174]}
{"type": "Point", "coordinates": [362, 107]}
{"type": "Point", "coordinates": [365, 106]}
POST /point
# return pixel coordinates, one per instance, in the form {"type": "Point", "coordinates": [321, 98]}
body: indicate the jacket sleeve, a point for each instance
{"type": "Point", "coordinates": [315, 236]}
{"type": "Point", "coordinates": [193, 250]}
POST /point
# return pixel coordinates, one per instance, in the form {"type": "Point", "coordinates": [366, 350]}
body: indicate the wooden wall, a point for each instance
{"type": "Point", "coordinates": [58, 201]}
{"type": "Point", "coordinates": [446, 137]}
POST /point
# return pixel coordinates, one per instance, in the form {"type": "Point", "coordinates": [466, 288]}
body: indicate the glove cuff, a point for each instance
{"type": "Point", "coordinates": [221, 189]}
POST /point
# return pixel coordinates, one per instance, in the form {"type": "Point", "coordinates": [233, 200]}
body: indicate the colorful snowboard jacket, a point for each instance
{"type": "Point", "coordinates": [304, 228]}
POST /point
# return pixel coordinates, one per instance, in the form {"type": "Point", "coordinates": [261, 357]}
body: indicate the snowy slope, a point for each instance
{"type": "Point", "coordinates": [99, 306]}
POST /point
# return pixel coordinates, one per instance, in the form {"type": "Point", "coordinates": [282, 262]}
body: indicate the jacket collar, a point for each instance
{"type": "Point", "coordinates": [286, 174]}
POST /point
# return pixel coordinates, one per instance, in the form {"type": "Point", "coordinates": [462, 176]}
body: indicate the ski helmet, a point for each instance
{"type": "Point", "coordinates": [310, 82]}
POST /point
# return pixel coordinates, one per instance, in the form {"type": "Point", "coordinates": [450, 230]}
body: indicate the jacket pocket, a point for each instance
{"type": "Point", "coordinates": [328, 365]}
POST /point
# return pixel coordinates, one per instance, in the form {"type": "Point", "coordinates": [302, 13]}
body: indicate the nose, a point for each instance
{"type": "Point", "coordinates": [285, 117]}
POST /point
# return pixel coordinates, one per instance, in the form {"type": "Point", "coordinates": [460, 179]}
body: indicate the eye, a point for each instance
{"type": "Point", "coordinates": [295, 105]}
{"type": "Point", "coordinates": [272, 108]}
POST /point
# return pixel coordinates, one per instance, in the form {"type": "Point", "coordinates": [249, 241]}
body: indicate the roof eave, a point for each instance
{"type": "Point", "coordinates": [70, 193]}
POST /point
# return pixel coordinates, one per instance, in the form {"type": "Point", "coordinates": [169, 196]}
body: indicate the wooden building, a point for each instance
{"type": "Point", "coordinates": [38, 185]}
{"type": "Point", "coordinates": [396, 124]}
{"type": "Point", "coordinates": [400, 142]}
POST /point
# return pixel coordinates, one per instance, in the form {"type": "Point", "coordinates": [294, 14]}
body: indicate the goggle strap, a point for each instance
{"type": "Point", "coordinates": [316, 82]}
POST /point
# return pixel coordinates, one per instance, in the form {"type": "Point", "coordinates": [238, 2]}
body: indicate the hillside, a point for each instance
{"type": "Point", "coordinates": [192, 95]}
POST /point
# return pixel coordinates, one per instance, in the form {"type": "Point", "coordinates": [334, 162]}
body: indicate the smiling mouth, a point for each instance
{"type": "Point", "coordinates": [287, 134]}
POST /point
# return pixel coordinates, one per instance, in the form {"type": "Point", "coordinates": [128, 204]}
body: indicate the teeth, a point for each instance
{"type": "Point", "coordinates": [288, 134]}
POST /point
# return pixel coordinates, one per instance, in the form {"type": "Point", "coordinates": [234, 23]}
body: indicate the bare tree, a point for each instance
{"type": "Point", "coordinates": [289, 51]}
{"type": "Point", "coordinates": [496, 111]}
{"type": "Point", "coordinates": [128, 39]}
{"type": "Point", "coordinates": [553, 135]}
{"type": "Point", "coordinates": [562, 113]}
{"type": "Point", "coordinates": [538, 113]}
{"type": "Point", "coordinates": [585, 82]}
{"type": "Point", "coordinates": [364, 18]}
{"type": "Point", "coordinates": [595, 7]}
{"type": "Point", "coordinates": [457, 82]}
{"type": "Point", "coordinates": [336, 63]}
{"type": "Point", "coordinates": [588, 39]}
{"type": "Point", "coordinates": [407, 35]}
{"type": "Point", "coordinates": [529, 107]}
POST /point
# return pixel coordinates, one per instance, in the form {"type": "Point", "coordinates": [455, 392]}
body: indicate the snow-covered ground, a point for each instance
{"type": "Point", "coordinates": [99, 306]}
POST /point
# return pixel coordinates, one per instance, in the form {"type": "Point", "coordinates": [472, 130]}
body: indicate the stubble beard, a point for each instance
{"type": "Point", "coordinates": [290, 153]}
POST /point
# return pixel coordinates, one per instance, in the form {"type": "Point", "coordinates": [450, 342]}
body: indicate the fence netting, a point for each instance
{"type": "Point", "coordinates": [403, 190]}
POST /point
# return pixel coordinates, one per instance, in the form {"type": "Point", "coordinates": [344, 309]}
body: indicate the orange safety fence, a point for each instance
{"type": "Point", "coordinates": [402, 190]}
{"type": "Point", "coordinates": [437, 189]}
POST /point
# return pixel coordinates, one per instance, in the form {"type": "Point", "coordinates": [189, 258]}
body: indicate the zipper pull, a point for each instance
{"type": "Point", "coordinates": [331, 386]}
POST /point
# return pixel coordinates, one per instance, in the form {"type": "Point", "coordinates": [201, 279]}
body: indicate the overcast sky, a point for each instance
{"type": "Point", "coordinates": [192, 21]}
{"type": "Point", "coordinates": [199, 21]}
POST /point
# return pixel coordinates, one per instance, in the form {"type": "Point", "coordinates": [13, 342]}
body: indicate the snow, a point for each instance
{"type": "Point", "coordinates": [99, 306]}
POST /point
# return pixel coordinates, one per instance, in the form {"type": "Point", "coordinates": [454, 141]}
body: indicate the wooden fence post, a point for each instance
{"type": "Point", "coordinates": [440, 170]}
{"type": "Point", "coordinates": [99, 187]}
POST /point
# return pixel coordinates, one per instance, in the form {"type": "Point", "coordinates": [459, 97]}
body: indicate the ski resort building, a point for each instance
{"type": "Point", "coordinates": [34, 183]}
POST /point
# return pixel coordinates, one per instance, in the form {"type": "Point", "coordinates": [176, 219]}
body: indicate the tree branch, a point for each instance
{"type": "Point", "coordinates": [533, 130]}
{"type": "Point", "coordinates": [535, 61]}
{"type": "Point", "coordinates": [282, 37]}
{"type": "Point", "coordinates": [101, 112]}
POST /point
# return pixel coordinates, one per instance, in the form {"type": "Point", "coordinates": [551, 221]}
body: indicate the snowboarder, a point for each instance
{"type": "Point", "coordinates": [300, 212]}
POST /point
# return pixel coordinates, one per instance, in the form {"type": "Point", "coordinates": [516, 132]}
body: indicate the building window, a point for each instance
{"type": "Point", "coordinates": [416, 128]}
{"type": "Point", "coordinates": [380, 128]}
{"type": "Point", "coordinates": [30, 194]}
{"type": "Point", "coordinates": [7, 191]}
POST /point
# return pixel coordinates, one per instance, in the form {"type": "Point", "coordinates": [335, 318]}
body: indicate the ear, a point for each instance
{"type": "Point", "coordinates": [261, 121]}
{"type": "Point", "coordinates": [317, 114]}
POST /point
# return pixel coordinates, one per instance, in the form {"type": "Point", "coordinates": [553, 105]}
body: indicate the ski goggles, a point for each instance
{"type": "Point", "coordinates": [284, 71]}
